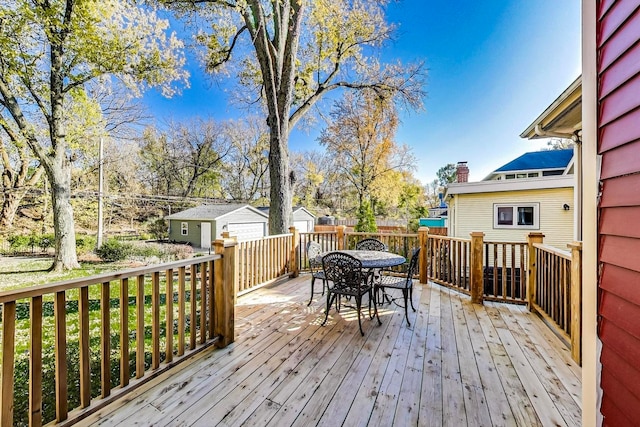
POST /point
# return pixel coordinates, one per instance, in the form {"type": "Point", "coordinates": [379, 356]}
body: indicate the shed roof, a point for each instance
{"type": "Point", "coordinates": [265, 209]}
{"type": "Point", "coordinates": [213, 212]}
{"type": "Point", "coordinates": [539, 160]}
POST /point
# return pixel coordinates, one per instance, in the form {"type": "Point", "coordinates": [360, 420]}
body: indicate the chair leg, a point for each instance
{"type": "Point", "coordinates": [405, 295]}
{"type": "Point", "coordinates": [358, 307]}
{"type": "Point", "coordinates": [375, 307]}
{"type": "Point", "coordinates": [411, 298]}
{"type": "Point", "coordinates": [329, 301]}
{"type": "Point", "coordinates": [313, 281]}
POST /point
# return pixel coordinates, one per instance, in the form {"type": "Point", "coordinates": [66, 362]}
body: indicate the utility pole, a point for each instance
{"type": "Point", "coordinates": [100, 190]}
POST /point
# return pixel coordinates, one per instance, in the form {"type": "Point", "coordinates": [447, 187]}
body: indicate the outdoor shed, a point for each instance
{"type": "Point", "coordinates": [303, 220]}
{"type": "Point", "coordinates": [201, 225]}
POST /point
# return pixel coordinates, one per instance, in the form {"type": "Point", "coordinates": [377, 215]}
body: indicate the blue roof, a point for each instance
{"type": "Point", "coordinates": [536, 160]}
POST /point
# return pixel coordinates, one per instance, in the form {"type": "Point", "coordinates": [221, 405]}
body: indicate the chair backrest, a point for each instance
{"type": "Point", "coordinates": [413, 265]}
{"type": "Point", "coordinates": [371, 244]}
{"type": "Point", "coordinates": [313, 251]}
{"type": "Point", "coordinates": [344, 271]}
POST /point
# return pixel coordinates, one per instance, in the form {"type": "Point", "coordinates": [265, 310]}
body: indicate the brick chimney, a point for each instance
{"type": "Point", "coordinates": [462, 172]}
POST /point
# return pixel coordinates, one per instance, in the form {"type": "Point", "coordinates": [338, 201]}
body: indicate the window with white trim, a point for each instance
{"type": "Point", "coordinates": [524, 215]}
{"type": "Point", "coordinates": [184, 228]}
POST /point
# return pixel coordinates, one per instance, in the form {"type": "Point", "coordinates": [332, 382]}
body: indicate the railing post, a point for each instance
{"type": "Point", "coordinates": [341, 236]}
{"type": "Point", "coordinates": [576, 301]}
{"type": "Point", "coordinates": [476, 286]}
{"type": "Point", "coordinates": [294, 265]}
{"type": "Point", "coordinates": [423, 238]}
{"type": "Point", "coordinates": [225, 290]}
{"type": "Point", "coordinates": [531, 282]}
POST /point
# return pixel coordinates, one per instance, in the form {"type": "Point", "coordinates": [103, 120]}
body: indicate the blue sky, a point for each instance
{"type": "Point", "coordinates": [494, 66]}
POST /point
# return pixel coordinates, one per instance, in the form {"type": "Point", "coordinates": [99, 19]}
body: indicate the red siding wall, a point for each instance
{"type": "Point", "coordinates": [618, 42]}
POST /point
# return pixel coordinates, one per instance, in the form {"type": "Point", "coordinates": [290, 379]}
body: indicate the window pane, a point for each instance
{"type": "Point", "coordinates": [505, 216]}
{"type": "Point", "coordinates": [525, 215]}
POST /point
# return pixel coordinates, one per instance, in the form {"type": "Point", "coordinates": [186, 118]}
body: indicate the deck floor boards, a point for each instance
{"type": "Point", "coordinates": [458, 364]}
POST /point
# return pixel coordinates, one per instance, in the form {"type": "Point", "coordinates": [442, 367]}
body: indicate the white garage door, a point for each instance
{"type": "Point", "coordinates": [302, 226]}
{"type": "Point", "coordinates": [246, 230]}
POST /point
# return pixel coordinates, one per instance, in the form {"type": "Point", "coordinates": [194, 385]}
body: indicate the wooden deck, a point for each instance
{"type": "Point", "coordinates": [458, 364]}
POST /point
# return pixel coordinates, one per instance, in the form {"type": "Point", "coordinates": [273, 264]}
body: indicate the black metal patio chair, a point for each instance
{"type": "Point", "coordinates": [347, 279]}
{"type": "Point", "coordinates": [371, 244]}
{"type": "Point", "coordinates": [404, 283]}
{"type": "Point", "coordinates": [315, 265]}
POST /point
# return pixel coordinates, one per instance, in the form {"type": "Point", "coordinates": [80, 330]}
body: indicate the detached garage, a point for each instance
{"type": "Point", "coordinates": [201, 225]}
{"type": "Point", "coordinates": [303, 220]}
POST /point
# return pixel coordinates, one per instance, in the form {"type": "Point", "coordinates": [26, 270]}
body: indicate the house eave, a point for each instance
{"type": "Point", "coordinates": [560, 181]}
{"type": "Point", "coordinates": [562, 118]}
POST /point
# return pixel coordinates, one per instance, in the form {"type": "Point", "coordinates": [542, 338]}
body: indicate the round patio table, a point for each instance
{"type": "Point", "coordinates": [373, 259]}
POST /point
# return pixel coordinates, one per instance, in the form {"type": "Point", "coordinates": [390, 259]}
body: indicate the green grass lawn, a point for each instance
{"type": "Point", "coordinates": [21, 272]}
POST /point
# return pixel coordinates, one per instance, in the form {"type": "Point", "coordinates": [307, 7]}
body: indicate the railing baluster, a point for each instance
{"type": "Point", "coordinates": [181, 310]}
{"type": "Point", "coordinates": [140, 327]}
{"type": "Point", "coordinates": [60, 349]}
{"type": "Point", "coordinates": [193, 322]}
{"type": "Point", "coordinates": [211, 300]}
{"type": "Point", "coordinates": [8, 349]}
{"type": "Point", "coordinates": [203, 302]}
{"type": "Point", "coordinates": [169, 315]}
{"type": "Point", "coordinates": [124, 332]}
{"type": "Point", "coordinates": [155, 320]}
{"type": "Point", "coordinates": [84, 344]}
{"type": "Point", "coordinates": [35, 362]}
{"type": "Point", "coordinates": [105, 339]}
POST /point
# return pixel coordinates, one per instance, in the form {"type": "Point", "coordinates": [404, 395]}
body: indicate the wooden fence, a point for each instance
{"type": "Point", "coordinates": [71, 347]}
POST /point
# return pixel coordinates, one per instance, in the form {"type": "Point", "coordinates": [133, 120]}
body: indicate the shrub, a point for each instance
{"type": "Point", "coordinates": [157, 228]}
{"type": "Point", "coordinates": [114, 250]}
{"type": "Point", "coordinates": [19, 241]}
{"type": "Point", "coordinates": [85, 244]}
{"type": "Point", "coordinates": [366, 220]}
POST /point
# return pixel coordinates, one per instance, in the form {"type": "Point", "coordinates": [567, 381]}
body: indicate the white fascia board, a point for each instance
{"type": "Point", "coordinates": [251, 208]}
{"type": "Point", "coordinates": [558, 181]}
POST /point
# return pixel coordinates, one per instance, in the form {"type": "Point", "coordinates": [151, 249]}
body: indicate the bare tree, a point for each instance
{"type": "Point", "coordinates": [303, 50]}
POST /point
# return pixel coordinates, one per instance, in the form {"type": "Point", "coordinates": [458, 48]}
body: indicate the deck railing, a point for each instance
{"type": "Point", "coordinates": [71, 347]}
{"type": "Point", "coordinates": [504, 271]}
{"type": "Point", "coordinates": [555, 289]}
{"type": "Point", "coordinates": [261, 261]}
{"type": "Point", "coordinates": [449, 261]}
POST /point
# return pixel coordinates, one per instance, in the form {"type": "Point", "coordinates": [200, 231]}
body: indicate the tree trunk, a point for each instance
{"type": "Point", "coordinates": [9, 208]}
{"type": "Point", "coordinates": [281, 208]}
{"type": "Point", "coordinates": [63, 223]}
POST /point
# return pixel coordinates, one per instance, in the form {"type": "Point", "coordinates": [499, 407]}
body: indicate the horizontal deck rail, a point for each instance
{"type": "Point", "coordinates": [71, 347]}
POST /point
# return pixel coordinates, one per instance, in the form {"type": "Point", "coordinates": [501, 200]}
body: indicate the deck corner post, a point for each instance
{"type": "Point", "coordinates": [576, 301]}
{"type": "Point", "coordinates": [341, 237]}
{"type": "Point", "coordinates": [476, 285]}
{"type": "Point", "coordinates": [225, 290]}
{"type": "Point", "coordinates": [294, 265]}
{"type": "Point", "coordinates": [423, 238]}
{"type": "Point", "coordinates": [532, 239]}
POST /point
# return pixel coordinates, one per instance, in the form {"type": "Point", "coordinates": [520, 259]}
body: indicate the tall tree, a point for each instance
{"type": "Point", "coordinates": [360, 139]}
{"type": "Point", "coordinates": [246, 175]}
{"type": "Point", "coordinates": [447, 174]}
{"type": "Point", "coordinates": [303, 51]}
{"type": "Point", "coordinates": [186, 159]}
{"type": "Point", "coordinates": [50, 51]}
